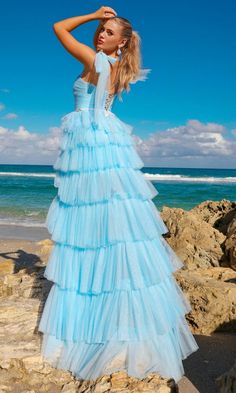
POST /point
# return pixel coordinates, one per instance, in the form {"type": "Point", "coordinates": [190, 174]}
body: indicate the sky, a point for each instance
{"type": "Point", "coordinates": [183, 115]}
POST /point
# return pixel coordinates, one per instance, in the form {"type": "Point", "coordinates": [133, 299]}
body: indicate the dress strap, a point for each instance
{"type": "Point", "coordinates": [102, 66]}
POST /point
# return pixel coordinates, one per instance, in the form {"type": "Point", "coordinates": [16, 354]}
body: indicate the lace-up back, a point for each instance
{"type": "Point", "coordinates": [95, 96]}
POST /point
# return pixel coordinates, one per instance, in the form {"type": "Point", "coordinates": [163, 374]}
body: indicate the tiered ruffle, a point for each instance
{"type": "Point", "coordinates": [115, 304]}
{"type": "Point", "coordinates": [100, 224]}
{"type": "Point", "coordinates": [120, 315]}
{"type": "Point", "coordinates": [100, 186]}
{"type": "Point", "coordinates": [126, 265]}
{"type": "Point", "coordinates": [137, 358]}
{"type": "Point", "coordinates": [96, 158]}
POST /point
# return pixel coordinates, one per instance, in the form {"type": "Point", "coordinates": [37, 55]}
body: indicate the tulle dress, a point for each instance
{"type": "Point", "coordinates": [114, 303]}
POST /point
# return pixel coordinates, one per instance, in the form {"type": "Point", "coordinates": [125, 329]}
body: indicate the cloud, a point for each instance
{"type": "Point", "coordinates": [194, 144]}
{"type": "Point", "coordinates": [24, 147]}
{"type": "Point", "coordinates": [10, 116]}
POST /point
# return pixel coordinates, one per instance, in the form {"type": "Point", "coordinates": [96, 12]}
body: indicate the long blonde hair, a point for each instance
{"type": "Point", "coordinates": [130, 64]}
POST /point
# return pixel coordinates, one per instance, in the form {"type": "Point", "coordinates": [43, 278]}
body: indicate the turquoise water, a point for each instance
{"type": "Point", "coordinates": [27, 190]}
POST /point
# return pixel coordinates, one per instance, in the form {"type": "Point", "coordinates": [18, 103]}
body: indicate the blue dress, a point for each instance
{"type": "Point", "coordinates": [114, 303]}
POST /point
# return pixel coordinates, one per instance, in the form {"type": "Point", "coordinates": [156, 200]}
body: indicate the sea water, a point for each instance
{"type": "Point", "coordinates": [26, 191]}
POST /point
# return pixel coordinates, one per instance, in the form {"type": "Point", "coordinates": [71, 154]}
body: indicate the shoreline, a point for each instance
{"type": "Point", "coordinates": [20, 232]}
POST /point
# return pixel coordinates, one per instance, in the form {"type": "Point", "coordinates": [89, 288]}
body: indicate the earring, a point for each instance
{"type": "Point", "coordinates": [119, 53]}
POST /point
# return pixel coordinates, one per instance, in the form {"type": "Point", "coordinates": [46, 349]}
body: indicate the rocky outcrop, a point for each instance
{"type": "Point", "coordinates": [195, 241]}
{"type": "Point", "coordinates": [222, 216]}
{"type": "Point", "coordinates": [204, 238]}
{"type": "Point", "coordinates": [212, 294]}
{"type": "Point", "coordinates": [219, 214]}
{"type": "Point", "coordinates": [30, 375]}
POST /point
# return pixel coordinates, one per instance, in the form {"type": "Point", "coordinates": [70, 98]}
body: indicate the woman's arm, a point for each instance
{"type": "Point", "coordinates": [80, 51]}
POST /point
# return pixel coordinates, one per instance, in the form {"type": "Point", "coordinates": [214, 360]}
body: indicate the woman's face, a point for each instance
{"type": "Point", "coordinates": [109, 37]}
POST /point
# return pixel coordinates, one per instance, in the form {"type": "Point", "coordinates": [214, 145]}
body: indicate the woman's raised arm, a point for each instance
{"type": "Point", "coordinates": [80, 51]}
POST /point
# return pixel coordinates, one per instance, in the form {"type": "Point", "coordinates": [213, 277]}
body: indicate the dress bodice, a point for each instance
{"type": "Point", "coordinates": [84, 95]}
{"type": "Point", "coordinates": [96, 97]}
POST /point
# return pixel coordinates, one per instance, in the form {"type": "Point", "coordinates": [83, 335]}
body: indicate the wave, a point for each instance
{"type": "Point", "coordinates": [26, 174]}
{"type": "Point", "coordinates": [23, 223]}
{"type": "Point", "coordinates": [184, 178]}
{"type": "Point", "coordinates": [150, 176]}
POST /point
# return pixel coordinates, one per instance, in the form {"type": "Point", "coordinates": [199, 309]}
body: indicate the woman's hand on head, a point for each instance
{"type": "Point", "coordinates": [105, 13]}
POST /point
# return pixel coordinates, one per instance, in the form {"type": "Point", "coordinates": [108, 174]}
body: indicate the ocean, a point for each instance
{"type": "Point", "coordinates": [26, 191]}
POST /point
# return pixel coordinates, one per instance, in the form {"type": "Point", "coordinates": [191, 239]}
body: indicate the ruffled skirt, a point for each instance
{"type": "Point", "coordinates": [114, 303]}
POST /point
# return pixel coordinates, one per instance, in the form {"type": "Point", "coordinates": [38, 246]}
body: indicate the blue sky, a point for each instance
{"type": "Point", "coordinates": [183, 115]}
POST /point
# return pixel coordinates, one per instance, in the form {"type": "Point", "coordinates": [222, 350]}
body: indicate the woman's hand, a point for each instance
{"type": "Point", "coordinates": [105, 13]}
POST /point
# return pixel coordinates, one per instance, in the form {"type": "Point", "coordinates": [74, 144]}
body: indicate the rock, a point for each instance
{"type": "Point", "coordinates": [45, 246]}
{"type": "Point", "coordinates": [221, 216]}
{"type": "Point", "coordinates": [218, 214]}
{"type": "Point", "coordinates": [230, 243]}
{"type": "Point", "coordinates": [195, 241]}
{"type": "Point", "coordinates": [212, 294]}
{"type": "Point", "coordinates": [230, 250]}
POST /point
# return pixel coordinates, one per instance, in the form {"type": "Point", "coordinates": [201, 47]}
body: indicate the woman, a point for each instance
{"type": "Point", "coordinates": [114, 304]}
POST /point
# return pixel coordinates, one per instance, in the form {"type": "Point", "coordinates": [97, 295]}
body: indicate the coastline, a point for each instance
{"type": "Point", "coordinates": [20, 232]}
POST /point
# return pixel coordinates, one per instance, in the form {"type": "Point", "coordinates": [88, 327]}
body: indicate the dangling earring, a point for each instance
{"type": "Point", "coordinates": [119, 53]}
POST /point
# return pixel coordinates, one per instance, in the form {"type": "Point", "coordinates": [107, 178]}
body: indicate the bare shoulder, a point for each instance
{"type": "Point", "coordinates": [84, 53]}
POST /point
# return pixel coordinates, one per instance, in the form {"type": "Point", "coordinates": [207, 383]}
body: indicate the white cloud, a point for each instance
{"type": "Point", "coordinates": [3, 130]}
{"type": "Point", "coordinates": [195, 144]}
{"type": "Point", "coordinates": [24, 147]}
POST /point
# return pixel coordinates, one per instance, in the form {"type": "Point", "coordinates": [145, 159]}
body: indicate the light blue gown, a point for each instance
{"type": "Point", "coordinates": [114, 304]}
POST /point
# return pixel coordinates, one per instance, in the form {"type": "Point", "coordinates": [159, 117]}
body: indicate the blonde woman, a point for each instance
{"type": "Point", "coordinates": [114, 303]}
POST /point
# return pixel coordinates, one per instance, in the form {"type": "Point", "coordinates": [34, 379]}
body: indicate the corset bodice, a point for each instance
{"type": "Point", "coordinates": [96, 97]}
{"type": "Point", "coordinates": [84, 95]}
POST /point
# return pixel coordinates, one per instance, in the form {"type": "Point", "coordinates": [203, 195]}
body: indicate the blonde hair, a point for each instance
{"type": "Point", "coordinates": [130, 64]}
